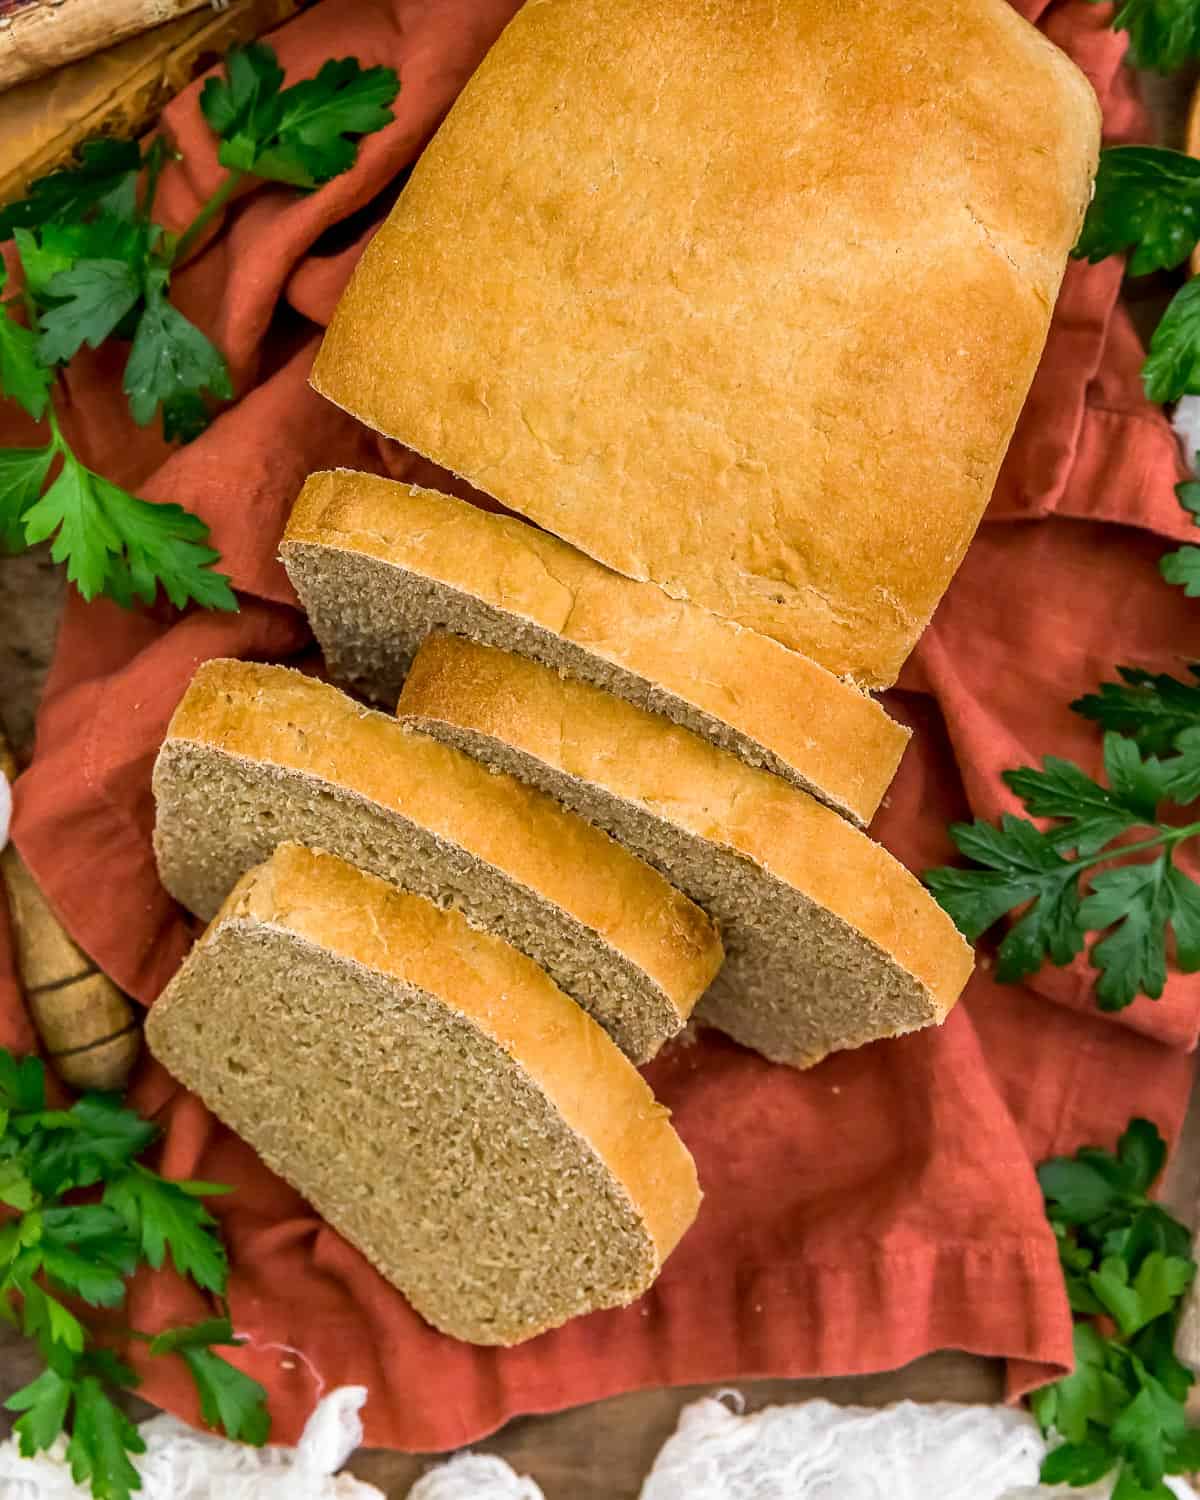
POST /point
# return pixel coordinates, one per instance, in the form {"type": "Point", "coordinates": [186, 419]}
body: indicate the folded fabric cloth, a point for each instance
{"type": "Point", "coordinates": [817, 1450]}
{"type": "Point", "coordinates": [182, 1464]}
{"type": "Point", "coordinates": [856, 1216]}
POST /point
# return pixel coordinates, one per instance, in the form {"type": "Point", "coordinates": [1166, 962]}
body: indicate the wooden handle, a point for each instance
{"type": "Point", "coordinates": [85, 1023]}
{"type": "Point", "coordinates": [118, 91]}
{"type": "Point", "coordinates": [41, 35]}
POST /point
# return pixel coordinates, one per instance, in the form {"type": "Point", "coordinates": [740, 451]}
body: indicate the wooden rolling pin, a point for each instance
{"type": "Point", "coordinates": [86, 1025]}
{"type": "Point", "coordinates": [37, 36]}
{"type": "Point", "coordinates": [118, 91]}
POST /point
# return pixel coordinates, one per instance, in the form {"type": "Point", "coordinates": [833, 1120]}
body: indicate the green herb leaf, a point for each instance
{"type": "Point", "coordinates": [195, 1336]}
{"type": "Point", "coordinates": [22, 1082]}
{"type": "Point", "coordinates": [23, 377]}
{"type": "Point", "coordinates": [1092, 815]}
{"type": "Point", "coordinates": [303, 135]}
{"type": "Point", "coordinates": [1136, 901]}
{"type": "Point", "coordinates": [1163, 34]}
{"type": "Point", "coordinates": [94, 296]}
{"type": "Point", "coordinates": [1143, 1154]}
{"type": "Point", "coordinates": [162, 1215]}
{"type": "Point", "coordinates": [1147, 198]}
{"type": "Point", "coordinates": [229, 1399]}
{"type": "Point", "coordinates": [1184, 1456]}
{"type": "Point", "coordinates": [106, 178]}
{"type": "Point", "coordinates": [1021, 864]}
{"type": "Point", "coordinates": [1077, 1463]}
{"type": "Point", "coordinates": [91, 1142]}
{"type": "Point", "coordinates": [1150, 708]}
{"type": "Point", "coordinates": [102, 1439]}
{"type": "Point", "coordinates": [22, 473]}
{"type": "Point", "coordinates": [45, 1402]}
{"type": "Point", "coordinates": [1173, 367]}
{"type": "Point", "coordinates": [114, 543]}
{"type": "Point", "coordinates": [49, 1322]}
{"type": "Point", "coordinates": [170, 359]}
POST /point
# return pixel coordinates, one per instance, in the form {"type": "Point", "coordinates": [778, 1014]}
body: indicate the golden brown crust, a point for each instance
{"type": "Point", "coordinates": [598, 1092]}
{"type": "Point", "coordinates": [681, 778]}
{"type": "Point", "coordinates": [273, 714]}
{"type": "Point", "coordinates": [839, 740]}
{"type": "Point", "coordinates": [745, 302]}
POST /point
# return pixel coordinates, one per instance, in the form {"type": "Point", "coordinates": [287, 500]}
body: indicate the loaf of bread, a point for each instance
{"type": "Point", "coordinates": [432, 1094]}
{"type": "Point", "coordinates": [378, 564]}
{"type": "Point", "coordinates": [740, 296]}
{"type": "Point", "coordinates": [830, 942]}
{"type": "Point", "coordinates": [259, 755]}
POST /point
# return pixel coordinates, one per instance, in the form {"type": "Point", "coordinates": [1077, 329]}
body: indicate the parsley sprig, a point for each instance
{"type": "Point", "coordinates": [1128, 1263]}
{"type": "Point", "coordinates": [96, 266]}
{"type": "Point", "coordinates": [55, 1245]}
{"type": "Point", "coordinates": [1053, 875]}
{"type": "Point", "coordinates": [1163, 34]}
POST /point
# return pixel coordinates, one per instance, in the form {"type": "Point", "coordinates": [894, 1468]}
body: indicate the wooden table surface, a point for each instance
{"type": "Point", "coordinates": [603, 1451]}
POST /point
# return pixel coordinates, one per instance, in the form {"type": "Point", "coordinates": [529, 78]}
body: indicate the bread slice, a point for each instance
{"type": "Point", "coordinates": [830, 942]}
{"type": "Point", "coordinates": [740, 296]}
{"type": "Point", "coordinates": [258, 755]}
{"type": "Point", "coordinates": [378, 564]}
{"type": "Point", "coordinates": [432, 1094]}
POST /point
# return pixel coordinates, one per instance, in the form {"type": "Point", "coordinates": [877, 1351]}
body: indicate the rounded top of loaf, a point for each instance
{"type": "Point", "coordinates": [746, 300]}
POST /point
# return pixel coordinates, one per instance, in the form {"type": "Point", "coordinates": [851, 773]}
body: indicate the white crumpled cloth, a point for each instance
{"type": "Point", "coordinates": [183, 1464]}
{"type": "Point", "coordinates": [817, 1451]}
{"type": "Point", "coordinates": [814, 1451]}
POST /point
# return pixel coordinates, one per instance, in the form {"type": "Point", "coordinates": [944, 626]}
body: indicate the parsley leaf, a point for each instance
{"type": "Point", "coordinates": [22, 473]}
{"type": "Point", "coordinates": [1163, 34]}
{"type": "Point", "coordinates": [90, 1249]}
{"type": "Point", "coordinates": [1147, 198]}
{"type": "Point", "coordinates": [1173, 366]}
{"type": "Point", "coordinates": [114, 543]}
{"type": "Point", "coordinates": [45, 1402]}
{"type": "Point", "coordinates": [22, 377]}
{"type": "Point", "coordinates": [169, 1215]}
{"type": "Point", "coordinates": [228, 1399]}
{"type": "Point", "coordinates": [1123, 1406]}
{"type": "Point", "coordinates": [1137, 902]}
{"type": "Point", "coordinates": [91, 1142]}
{"type": "Point", "coordinates": [1132, 907]}
{"type": "Point", "coordinates": [106, 178]}
{"type": "Point", "coordinates": [302, 135]}
{"type": "Point", "coordinates": [94, 296]}
{"type": "Point", "coordinates": [1150, 708]}
{"type": "Point", "coordinates": [102, 1439]}
{"type": "Point", "coordinates": [170, 357]}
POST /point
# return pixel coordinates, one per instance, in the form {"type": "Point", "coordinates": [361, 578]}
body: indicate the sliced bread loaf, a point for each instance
{"type": "Point", "coordinates": [377, 565]}
{"type": "Point", "coordinates": [432, 1094]}
{"type": "Point", "coordinates": [258, 755]}
{"type": "Point", "coordinates": [830, 942]}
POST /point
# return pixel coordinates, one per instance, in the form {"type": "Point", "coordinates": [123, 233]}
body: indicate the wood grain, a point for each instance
{"type": "Point", "coordinates": [40, 37]}
{"type": "Point", "coordinates": [118, 91]}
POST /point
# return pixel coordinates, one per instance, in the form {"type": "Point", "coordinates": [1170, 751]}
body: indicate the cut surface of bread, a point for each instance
{"type": "Point", "coordinates": [744, 299]}
{"type": "Point", "coordinates": [378, 564]}
{"type": "Point", "coordinates": [830, 942]}
{"type": "Point", "coordinates": [432, 1094]}
{"type": "Point", "coordinates": [259, 755]}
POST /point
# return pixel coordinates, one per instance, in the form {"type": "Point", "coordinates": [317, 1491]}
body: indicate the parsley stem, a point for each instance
{"type": "Point", "coordinates": [1167, 836]}
{"type": "Point", "coordinates": [190, 237]}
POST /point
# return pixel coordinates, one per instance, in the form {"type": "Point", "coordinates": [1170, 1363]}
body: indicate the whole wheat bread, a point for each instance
{"type": "Point", "coordinates": [432, 1094]}
{"type": "Point", "coordinates": [258, 755]}
{"type": "Point", "coordinates": [830, 942]}
{"type": "Point", "coordinates": [378, 564]}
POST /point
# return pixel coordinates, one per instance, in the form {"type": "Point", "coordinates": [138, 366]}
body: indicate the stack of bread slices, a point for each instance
{"type": "Point", "coordinates": [615, 774]}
